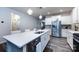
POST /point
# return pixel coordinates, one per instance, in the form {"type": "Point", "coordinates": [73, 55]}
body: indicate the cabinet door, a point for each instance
{"type": "Point", "coordinates": [38, 47]}
{"type": "Point", "coordinates": [78, 14]}
{"type": "Point", "coordinates": [42, 42]}
{"type": "Point", "coordinates": [48, 21]}
{"type": "Point", "coordinates": [75, 15]}
{"type": "Point", "coordinates": [64, 33]}
{"type": "Point", "coordinates": [46, 38]}
{"type": "Point", "coordinates": [70, 39]}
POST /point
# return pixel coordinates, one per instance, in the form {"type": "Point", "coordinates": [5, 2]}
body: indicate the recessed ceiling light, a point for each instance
{"type": "Point", "coordinates": [61, 10]}
{"type": "Point", "coordinates": [43, 7]}
{"type": "Point", "coordinates": [30, 11]}
{"type": "Point", "coordinates": [40, 17]}
{"type": "Point", "coordinates": [48, 13]}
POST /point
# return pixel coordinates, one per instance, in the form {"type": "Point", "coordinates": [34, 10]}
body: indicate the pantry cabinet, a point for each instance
{"type": "Point", "coordinates": [75, 14]}
{"type": "Point", "coordinates": [78, 14]}
{"type": "Point", "coordinates": [75, 17]}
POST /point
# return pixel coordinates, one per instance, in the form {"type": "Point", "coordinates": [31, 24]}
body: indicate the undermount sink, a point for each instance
{"type": "Point", "coordinates": [39, 32]}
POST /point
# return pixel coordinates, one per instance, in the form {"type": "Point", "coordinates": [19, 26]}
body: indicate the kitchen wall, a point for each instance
{"type": "Point", "coordinates": [26, 21]}
{"type": "Point", "coordinates": [6, 26]}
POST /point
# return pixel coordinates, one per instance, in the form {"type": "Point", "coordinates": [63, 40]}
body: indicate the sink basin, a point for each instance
{"type": "Point", "coordinates": [39, 32]}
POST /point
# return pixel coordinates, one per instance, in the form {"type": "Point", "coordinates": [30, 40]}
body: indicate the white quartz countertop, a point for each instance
{"type": "Point", "coordinates": [22, 39]}
{"type": "Point", "coordinates": [72, 31]}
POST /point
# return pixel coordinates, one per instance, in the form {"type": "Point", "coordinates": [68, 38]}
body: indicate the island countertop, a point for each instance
{"type": "Point", "coordinates": [24, 38]}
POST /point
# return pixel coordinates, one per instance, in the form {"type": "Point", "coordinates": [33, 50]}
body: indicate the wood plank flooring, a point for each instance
{"type": "Point", "coordinates": [58, 45]}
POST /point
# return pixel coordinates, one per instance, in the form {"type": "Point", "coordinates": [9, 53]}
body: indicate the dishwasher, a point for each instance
{"type": "Point", "coordinates": [34, 46]}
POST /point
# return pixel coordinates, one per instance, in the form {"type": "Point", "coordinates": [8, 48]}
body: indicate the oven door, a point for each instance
{"type": "Point", "coordinates": [76, 44]}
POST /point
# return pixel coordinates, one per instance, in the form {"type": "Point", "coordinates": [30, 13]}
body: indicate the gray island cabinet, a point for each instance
{"type": "Point", "coordinates": [32, 41]}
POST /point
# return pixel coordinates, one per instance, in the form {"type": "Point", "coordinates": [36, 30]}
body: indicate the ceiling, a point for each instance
{"type": "Point", "coordinates": [43, 10]}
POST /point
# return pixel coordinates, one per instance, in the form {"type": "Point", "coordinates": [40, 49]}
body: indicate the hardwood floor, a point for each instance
{"type": "Point", "coordinates": [58, 45]}
{"type": "Point", "coordinates": [1, 48]}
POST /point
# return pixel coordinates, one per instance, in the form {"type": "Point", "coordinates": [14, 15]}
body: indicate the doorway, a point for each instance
{"type": "Point", "coordinates": [15, 22]}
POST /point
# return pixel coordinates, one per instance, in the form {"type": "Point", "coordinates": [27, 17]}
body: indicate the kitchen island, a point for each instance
{"type": "Point", "coordinates": [18, 42]}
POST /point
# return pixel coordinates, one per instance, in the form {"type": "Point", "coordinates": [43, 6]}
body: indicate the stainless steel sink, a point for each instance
{"type": "Point", "coordinates": [39, 32]}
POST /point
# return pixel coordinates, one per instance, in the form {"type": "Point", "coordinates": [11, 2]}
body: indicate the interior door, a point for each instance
{"type": "Point", "coordinates": [15, 21]}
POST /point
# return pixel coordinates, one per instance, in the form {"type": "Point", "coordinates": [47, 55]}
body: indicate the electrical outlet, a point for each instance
{"type": "Point", "coordinates": [2, 21]}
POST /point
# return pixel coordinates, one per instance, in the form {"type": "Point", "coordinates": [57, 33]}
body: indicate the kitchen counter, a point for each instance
{"type": "Point", "coordinates": [70, 37]}
{"type": "Point", "coordinates": [24, 38]}
{"type": "Point", "coordinates": [72, 31]}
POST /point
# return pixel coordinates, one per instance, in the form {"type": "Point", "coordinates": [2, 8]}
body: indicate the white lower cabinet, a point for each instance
{"type": "Point", "coordinates": [38, 49]}
{"type": "Point", "coordinates": [44, 40]}
{"type": "Point", "coordinates": [64, 32]}
{"type": "Point", "coordinates": [70, 39]}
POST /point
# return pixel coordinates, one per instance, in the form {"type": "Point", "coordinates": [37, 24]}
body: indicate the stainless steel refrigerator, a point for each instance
{"type": "Point", "coordinates": [56, 28]}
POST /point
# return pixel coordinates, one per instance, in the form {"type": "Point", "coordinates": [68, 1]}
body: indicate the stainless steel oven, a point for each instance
{"type": "Point", "coordinates": [76, 42]}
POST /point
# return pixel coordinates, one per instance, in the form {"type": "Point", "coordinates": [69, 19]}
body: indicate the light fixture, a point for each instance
{"type": "Point", "coordinates": [30, 11]}
{"type": "Point", "coordinates": [17, 17]}
{"type": "Point", "coordinates": [40, 17]}
{"type": "Point", "coordinates": [48, 13]}
{"type": "Point", "coordinates": [61, 10]}
{"type": "Point", "coordinates": [42, 7]}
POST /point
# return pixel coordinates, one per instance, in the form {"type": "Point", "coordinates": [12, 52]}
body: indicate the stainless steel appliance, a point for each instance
{"type": "Point", "coordinates": [76, 42]}
{"type": "Point", "coordinates": [33, 45]}
{"type": "Point", "coordinates": [42, 25]}
{"type": "Point", "coordinates": [56, 28]}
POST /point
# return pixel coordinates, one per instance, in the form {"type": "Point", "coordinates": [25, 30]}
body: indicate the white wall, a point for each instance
{"type": "Point", "coordinates": [4, 27]}
{"type": "Point", "coordinates": [26, 21]}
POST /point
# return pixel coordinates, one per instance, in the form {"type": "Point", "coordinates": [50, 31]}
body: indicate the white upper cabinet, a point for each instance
{"type": "Point", "coordinates": [75, 15]}
{"type": "Point", "coordinates": [49, 20]}
{"type": "Point", "coordinates": [78, 14]}
{"type": "Point", "coordinates": [65, 19]}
